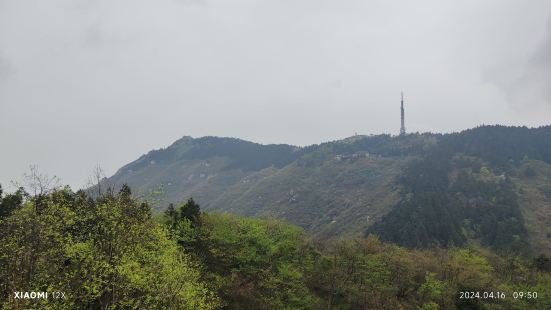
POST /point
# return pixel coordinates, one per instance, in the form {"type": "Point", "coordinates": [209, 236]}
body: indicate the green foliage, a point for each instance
{"type": "Point", "coordinates": [449, 198]}
{"type": "Point", "coordinates": [255, 264]}
{"type": "Point", "coordinates": [11, 202]}
{"type": "Point", "coordinates": [354, 275]}
{"type": "Point", "coordinates": [191, 212]}
{"type": "Point", "coordinates": [431, 290]}
{"type": "Point", "coordinates": [110, 253]}
{"type": "Point", "coordinates": [241, 154]}
{"type": "Point", "coordinates": [367, 274]}
{"type": "Point", "coordinates": [471, 271]}
{"type": "Point", "coordinates": [104, 253]}
{"type": "Point", "coordinates": [309, 187]}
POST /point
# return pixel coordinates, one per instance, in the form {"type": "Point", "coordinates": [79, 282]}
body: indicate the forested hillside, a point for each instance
{"type": "Point", "coordinates": [113, 252]}
{"type": "Point", "coordinates": [310, 186]}
{"type": "Point", "coordinates": [488, 185]}
{"type": "Point", "coordinates": [467, 188]}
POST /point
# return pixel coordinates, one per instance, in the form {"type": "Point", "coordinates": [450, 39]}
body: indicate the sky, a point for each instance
{"type": "Point", "coordinates": [101, 82]}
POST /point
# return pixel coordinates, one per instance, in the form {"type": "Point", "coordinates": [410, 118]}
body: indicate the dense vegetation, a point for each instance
{"type": "Point", "coordinates": [438, 210]}
{"type": "Point", "coordinates": [110, 252]}
{"type": "Point", "coordinates": [488, 186]}
{"type": "Point", "coordinates": [461, 190]}
{"type": "Point", "coordinates": [102, 253]}
{"type": "Point", "coordinates": [240, 154]}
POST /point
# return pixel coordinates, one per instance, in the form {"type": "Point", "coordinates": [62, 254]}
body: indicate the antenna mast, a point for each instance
{"type": "Point", "coordinates": [402, 127]}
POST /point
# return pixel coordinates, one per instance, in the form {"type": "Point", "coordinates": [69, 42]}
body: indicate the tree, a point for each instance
{"type": "Point", "coordinates": [103, 253]}
{"type": "Point", "coordinates": [431, 291]}
{"type": "Point", "coordinates": [191, 211]}
{"type": "Point", "coordinates": [95, 180]}
{"type": "Point", "coordinates": [257, 264]}
{"type": "Point", "coordinates": [11, 202]}
{"type": "Point", "coordinates": [38, 183]}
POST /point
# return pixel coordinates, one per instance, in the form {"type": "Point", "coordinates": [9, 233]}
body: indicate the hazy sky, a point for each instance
{"type": "Point", "coordinates": [103, 81]}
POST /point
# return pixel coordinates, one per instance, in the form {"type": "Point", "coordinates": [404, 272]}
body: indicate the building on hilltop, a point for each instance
{"type": "Point", "coordinates": [358, 154]}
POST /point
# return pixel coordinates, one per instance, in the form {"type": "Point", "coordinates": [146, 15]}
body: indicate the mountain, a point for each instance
{"type": "Point", "coordinates": [489, 185]}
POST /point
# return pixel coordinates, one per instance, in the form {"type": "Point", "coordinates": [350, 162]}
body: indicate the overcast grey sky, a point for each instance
{"type": "Point", "coordinates": [103, 81]}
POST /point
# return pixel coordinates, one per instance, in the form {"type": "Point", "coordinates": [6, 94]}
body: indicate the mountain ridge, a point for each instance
{"type": "Point", "coordinates": [343, 187]}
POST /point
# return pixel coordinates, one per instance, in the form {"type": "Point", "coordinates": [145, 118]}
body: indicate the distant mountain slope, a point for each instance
{"type": "Point", "coordinates": [466, 189]}
{"type": "Point", "coordinates": [332, 188]}
{"type": "Point", "coordinates": [418, 190]}
{"type": "Point", "coordinates": [534, 188]}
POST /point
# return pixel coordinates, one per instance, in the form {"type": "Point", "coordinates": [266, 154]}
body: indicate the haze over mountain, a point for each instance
{"type": "Point", "coordinates": [348, 198]}
{"type": "Point", "coordinates": [104, 80]}
{"type": "Point", "coordinates": [489, 185]}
